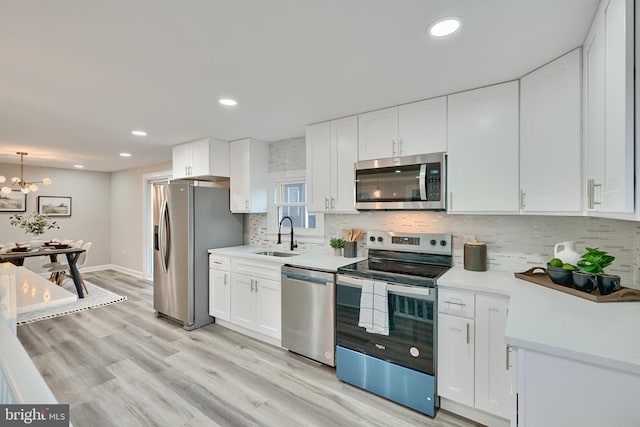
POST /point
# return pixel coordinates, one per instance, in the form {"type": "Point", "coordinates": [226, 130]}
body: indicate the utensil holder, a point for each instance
{"type": "Point", "coordinates": [350, 249]}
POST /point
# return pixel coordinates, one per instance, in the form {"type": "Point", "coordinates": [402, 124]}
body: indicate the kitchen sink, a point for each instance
{"type": "Point", "coordinates": [279, 254]}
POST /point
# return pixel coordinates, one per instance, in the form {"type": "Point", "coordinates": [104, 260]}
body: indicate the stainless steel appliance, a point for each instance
{"type": "Point", "coordinates": [411, 182]}
{"type": "Point", "coordinates": [402, 365]}
{"type": "Point", "coordinates": [188, 219]}
{"type": "Point", "coordinates": [308, 313]}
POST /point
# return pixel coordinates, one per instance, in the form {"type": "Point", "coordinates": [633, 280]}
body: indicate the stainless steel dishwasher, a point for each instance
{"type": "Point", "coordinates": [308, 313]}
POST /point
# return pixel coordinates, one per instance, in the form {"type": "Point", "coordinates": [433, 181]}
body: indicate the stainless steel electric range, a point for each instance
{"type": "Point", "coordinates": [400, 366]}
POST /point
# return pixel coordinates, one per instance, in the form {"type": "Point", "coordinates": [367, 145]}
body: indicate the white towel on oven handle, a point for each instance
{"type": "Point", "coordinates": [374, 308]}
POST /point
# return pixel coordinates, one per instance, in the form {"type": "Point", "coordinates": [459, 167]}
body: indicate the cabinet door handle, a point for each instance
{"type": "Point", "coordinates": [468, 334]}
{"type": "Point", "coordinates": [522, 194]}
{"type": "Point", "coordinates": [326, 203]}
{"type": "Point", "coordinates": [461, 304]}
{"type": "Point", "coordinates": [251, 285]}
{"type": "Point", "coordinates": [333, 203]}
{"type": "Point", "coordinates": [225, 279]}
{"type": "Point", "coordinates": [400, 147]}
{"type": "Point", "coordinates": [246, 204]}
{"type": "Point", "coordinates": [450, 200]}
{"type": "Point", "coordinates": [591, 193]}
{"type": "Point", "coordinates": [508, 356]}
{"type": "Point", "coordinates": [256, 285]}
{"type": "Point", "coordinates": [393, 148]}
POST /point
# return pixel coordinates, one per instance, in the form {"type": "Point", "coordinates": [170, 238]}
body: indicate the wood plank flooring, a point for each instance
{"type": "Point", "coordinates": [121, 366]}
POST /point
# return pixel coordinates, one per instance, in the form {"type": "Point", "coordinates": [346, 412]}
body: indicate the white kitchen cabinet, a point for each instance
{"type": "Point", "coordinates": [473, 377]}
{"type": "Point", "coordinates": [556, 391]}
{"type": "Point", "coordinates": [608, 110]}
{"type": "Point", "coordinates": [331, 151]}
{"type": "Point", "coordinates": [492, 375]}
{"type": "Point", "coordinates": [455, 358]}
{"type": "Point", "coordinates": [255, 296]}
{"type": "Point", "coordinates": [550, 137]}
{"type": "Point", "coordinates": [482, 131]}
{"type": "Point", "coordinates": [405, 130]}
{"type": "Point", "coordinates": [219, 287]}
{"type": "Point", "coordinates": [207, 157]}
{"type": "Point", "coordinates": [249, 163]}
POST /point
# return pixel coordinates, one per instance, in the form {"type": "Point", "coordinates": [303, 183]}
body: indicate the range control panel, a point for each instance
{"type": "Point", "coordinates": [414, 242]}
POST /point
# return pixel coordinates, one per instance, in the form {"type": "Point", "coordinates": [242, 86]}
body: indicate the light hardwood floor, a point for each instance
{"type": "Point", "coordinates": [120, 366]}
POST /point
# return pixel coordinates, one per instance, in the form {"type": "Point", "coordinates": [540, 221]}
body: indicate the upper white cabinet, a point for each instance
{"type": "Point", "coordinates": [550, 137]}
{"type": "Point", "coordinates": [249, 168]}
{"type": "Point", "coordinates": [410, 129]}
{"type": "Point", "coordinates": [332, 149]}
{"type": "Point", "coordinates": [483, 150]}
{"type": "Point", "coordinates": [608, 109]}
{"type": "Point", "coordinates": [201, 158]}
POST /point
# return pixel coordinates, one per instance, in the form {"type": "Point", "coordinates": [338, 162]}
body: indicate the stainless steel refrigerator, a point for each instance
{"type": "Point", "coordinates": [188, 219]}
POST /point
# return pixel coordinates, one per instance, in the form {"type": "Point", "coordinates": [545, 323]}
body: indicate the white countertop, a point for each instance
{"type": "Point", "coordinates": [560, 324]}
{"type": "Point", "coordinates": [34, 291]}
{"type": "Point", "coordinates": [311, 259]}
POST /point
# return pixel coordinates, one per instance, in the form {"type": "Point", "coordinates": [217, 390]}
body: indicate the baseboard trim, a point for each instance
{"type": "Point", "coordinates": [115, 267]}
{"type": "Point", "coordinates": [250, 333]}
{"type": "Point", "coordinates": [472, 413]}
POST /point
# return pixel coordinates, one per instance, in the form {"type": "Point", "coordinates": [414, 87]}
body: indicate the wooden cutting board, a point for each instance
{"type": "Point", "coordinates": [539, 276]}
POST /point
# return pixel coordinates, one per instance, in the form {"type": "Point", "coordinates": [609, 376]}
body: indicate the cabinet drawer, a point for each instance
{"type": "Point", "coordinates": [251, 267]}
{"type": "Point", "coordinates": [457, 303]}
{"type": "Point", "coordinates": [219, 262]}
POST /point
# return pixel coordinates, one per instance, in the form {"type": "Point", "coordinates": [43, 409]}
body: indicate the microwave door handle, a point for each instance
{"type": "Point", "coordinates": [422, 180]}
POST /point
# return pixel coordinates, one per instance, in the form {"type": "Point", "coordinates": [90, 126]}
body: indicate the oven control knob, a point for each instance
{"type": "Point", "coordinates": [433, 242]}
{"type": "Point", "coordinates": [380, 239]}
{"type": "Point", "coordinates": [443, 243]}
{"type": "Point", "coordinates": [372, 239]}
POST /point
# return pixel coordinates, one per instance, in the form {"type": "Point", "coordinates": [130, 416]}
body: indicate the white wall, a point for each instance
{"type": "Point", "coordinates": [127, 216]}
{"type": "Point", "coordinates": [90, 210]}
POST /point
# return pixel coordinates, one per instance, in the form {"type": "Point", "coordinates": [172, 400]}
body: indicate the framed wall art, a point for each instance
{"type": "Point", "coordinates": [54, 206]}
{"type": "Point", "coordinates": [16, 201]}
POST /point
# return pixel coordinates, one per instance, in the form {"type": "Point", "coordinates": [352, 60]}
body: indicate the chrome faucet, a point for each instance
{"type": "Point", "coordinates": [293, 245]}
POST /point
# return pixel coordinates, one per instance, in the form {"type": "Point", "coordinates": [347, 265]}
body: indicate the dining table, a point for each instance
{"type": "Point", "coordinates": [72, 254]}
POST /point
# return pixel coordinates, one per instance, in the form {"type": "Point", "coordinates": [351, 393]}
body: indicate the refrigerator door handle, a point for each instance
{"type": "Point", "coordinates": [162, 236]}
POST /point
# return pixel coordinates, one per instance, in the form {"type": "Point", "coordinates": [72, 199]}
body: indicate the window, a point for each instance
{"type": "Point", "coordinates": [292, 202]}
{"type": "Point", "coordinates": [289, 198]}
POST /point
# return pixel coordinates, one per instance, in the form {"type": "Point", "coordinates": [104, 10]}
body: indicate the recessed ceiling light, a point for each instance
{"type": "Point", "coordinates": [138, 133]}
{"type": "Point", "coordinates": [78, 166]}
{"type": "Point", "coordinates": [228, 102]}
{"type": "Point", "coordinates": [444, 27]}
{"type": "Point", "coordinates": [125, 154]}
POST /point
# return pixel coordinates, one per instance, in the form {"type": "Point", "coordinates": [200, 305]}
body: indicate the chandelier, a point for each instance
{"type": "Point", "coordinates": [20, 183]}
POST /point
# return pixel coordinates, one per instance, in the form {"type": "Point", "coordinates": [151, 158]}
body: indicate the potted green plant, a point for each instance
{"type": "Point", "coordinates": [337, 244]}
{"type": "Point", "coordinates": [35, 224]}
{"type": "Point", "coordinates": [592, 263]}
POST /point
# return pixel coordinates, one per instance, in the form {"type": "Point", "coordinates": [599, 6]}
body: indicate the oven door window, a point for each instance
{"type": "Point", "coordinates": [394, 184]}
{"type": "Point", "coordinates": [411, 330]}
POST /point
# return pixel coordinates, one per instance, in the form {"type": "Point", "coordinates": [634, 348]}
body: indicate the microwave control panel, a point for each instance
{"type": "Point", "coordinates": [433, 181]}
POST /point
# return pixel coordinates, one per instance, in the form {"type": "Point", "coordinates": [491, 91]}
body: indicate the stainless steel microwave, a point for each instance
{"type": "Point", "coordinates": [411, 182]}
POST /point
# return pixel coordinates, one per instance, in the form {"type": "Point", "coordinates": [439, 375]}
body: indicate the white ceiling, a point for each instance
{"type": "Point", "coordinates": [77, 76]}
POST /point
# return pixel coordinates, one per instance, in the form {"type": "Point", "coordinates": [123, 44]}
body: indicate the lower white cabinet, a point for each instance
{"type": "Point", "coordinates": [550, 390]}
{"type": "Point", "coordinates": [472, 355]}
{"type": "Point", "coordinates": [255, 296]}
{"type": "Point", "coordinates": [219, 287]}
{"type": "Point", "coordinates": [493, 377]}
{"type": "Point", "coordinates": [455, 358]}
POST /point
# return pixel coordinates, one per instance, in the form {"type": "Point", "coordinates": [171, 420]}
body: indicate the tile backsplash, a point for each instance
{"type": "Point", "coordinates": [514, 242]}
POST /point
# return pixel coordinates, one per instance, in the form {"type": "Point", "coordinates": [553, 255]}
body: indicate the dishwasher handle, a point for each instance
{"type": "Point", "coordinates": [305, 278]}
